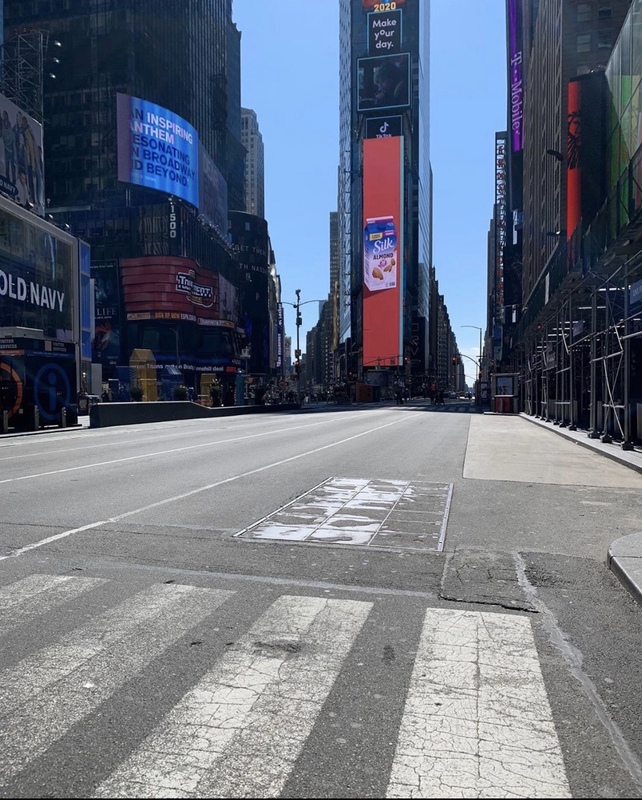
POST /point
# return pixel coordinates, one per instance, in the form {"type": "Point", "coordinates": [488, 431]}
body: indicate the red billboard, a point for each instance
{"type": "Point", "coordinates": [382, 252]}
{"type": "Point", "coordinates": [172, 288]}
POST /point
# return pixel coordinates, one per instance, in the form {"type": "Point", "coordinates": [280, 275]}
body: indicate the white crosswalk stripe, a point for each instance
{"type": "Point", "coordinates": [239, 732]}
{"type": "Point", "coordinates": [64, 683]}
{"type": "Point", "coordinates": [477, 721]}
{"type": "Point", "coordinates": [36, 595]}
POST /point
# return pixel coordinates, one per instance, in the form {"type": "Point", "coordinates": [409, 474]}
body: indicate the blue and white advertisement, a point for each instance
{"type": "Point", "coordinates": [157, 149]}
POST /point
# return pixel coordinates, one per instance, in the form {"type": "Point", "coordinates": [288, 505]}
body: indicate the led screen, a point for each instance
{"type": "Point", "coordinates": [157, 149]}
{"type": "Point", "coordinates": [383, 82]}
{"type": "Point", "coordinates": [382, 251]}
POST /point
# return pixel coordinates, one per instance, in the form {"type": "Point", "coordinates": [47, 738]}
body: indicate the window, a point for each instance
{"type": "Point", "coordinates": [604, 40]}
{"type": "Point", "coordinates": [583, 42]}
{"type": "Point", "coordinates": [583, 12]}
{"type": "Point", "coordinates": [604, 10]}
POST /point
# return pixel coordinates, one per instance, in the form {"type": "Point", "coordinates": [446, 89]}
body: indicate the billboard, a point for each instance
{"type": "Point", "coordinates": [383, 249]}
{"type": "Point", "coordinates": [383, 127]}
{"type": "Point", "coordinates": [383, 82]}
{"type": "Point", "coordinates": [22, 170]}
{"type": "Point", "coordinates": [36, 278]}
{"type": "Point", "coordinates": [156, 148]}
{"type": "Point", "coordinates": [516, 74]}
{"type": "Point", "coordinates": [172, 288]}
{"type": "Point", "coordinates": [106, 345]}
{"type": "Point", "coordinates": [384, 32]}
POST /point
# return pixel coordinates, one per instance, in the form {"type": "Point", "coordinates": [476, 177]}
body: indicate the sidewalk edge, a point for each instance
{"type": "Point", "coordinates": [622, 574]}
{"type": "Point", "coordinates": [588, 444]}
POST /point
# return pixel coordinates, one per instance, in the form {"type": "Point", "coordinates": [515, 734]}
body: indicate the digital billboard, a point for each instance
{"type": "Point", "coordinates": [22, 169]}
{"type": "Point", "coordinates": [516, 74]}
{"type": "Point", "coordinates": [36, 278]}
{"type": "Point", "coordinates": [383, 127]}
{"type": "Point", "coordinates": [384, 32]}
{"type": "Point", "coordinates": [172, 288]}
{"type": "Point", "coordinates": [106, 345]}
{"type": "Point", "coordinates": [383, 82]}
{"type": "Point", "coordinates": [383, 249]}
{"type": "Point", "coordinates": [157, 149]}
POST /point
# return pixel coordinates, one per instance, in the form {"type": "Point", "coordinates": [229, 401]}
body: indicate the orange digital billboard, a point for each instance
{"type": "Point", "coordinates": [382, 252]}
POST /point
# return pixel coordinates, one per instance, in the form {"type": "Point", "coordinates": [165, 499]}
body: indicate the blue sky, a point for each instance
{"type": "Point", "coordinates": [289, 74]}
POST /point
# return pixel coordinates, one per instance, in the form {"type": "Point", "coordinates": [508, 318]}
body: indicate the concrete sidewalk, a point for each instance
{"type": "Point", "coordinates": [624, 556]}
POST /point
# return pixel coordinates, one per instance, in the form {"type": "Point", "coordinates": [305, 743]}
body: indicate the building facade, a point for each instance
{"type": "Point", "coordinates": [254, 163]}
{"type": "Point", "coordinates": [384, 130]}
{"type": "Point", "coordinates": [144, 158]}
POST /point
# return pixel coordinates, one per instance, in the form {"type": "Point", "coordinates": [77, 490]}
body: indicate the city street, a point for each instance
{"type": "Point", "coordinates": [341, 601]}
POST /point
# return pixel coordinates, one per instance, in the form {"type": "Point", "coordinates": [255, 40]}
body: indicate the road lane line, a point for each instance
{"type": "Point", "coordinates": [477, 721]}
{"type": "Point", "coordinates": [191, 493]}
{"type": "Point", "coordinates": [36, 595]}
{"type": "Point", "coordinates": [240, 730]}
{"type": "Point", "coordinates": [45, 694]}
{"type": "Point", "coordinates": [12, 457]}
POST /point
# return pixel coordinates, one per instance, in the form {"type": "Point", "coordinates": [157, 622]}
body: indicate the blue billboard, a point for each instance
{"type": "Point", "coordinates": [157, 149]}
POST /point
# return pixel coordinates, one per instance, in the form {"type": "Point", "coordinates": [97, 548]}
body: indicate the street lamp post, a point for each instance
{"type": "Point", "coordinates": [299, 322]}
{"type": "Point", "coordinates": [480, 347]}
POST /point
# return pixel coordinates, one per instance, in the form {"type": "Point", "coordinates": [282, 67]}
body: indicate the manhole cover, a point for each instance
{"type": "Point", "coordinates": [371, 513]}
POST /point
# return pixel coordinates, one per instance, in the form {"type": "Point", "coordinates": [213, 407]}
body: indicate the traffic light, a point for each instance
{"type": "Point", "coordinates": [297, 367]}
{"type": "Point", "coordinates": [454, 360]}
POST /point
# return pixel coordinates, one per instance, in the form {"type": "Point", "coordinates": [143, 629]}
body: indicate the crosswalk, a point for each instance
{"type": "Point", "coordinates": [476, 720]}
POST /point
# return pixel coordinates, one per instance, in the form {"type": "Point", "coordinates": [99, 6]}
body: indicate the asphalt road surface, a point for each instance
{"type": "Point", "coordinates": [385, 601]}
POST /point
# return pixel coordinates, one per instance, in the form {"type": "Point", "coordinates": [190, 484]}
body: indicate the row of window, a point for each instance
{"type": "Point", "coordinates": [585, 11]}
{"type": "Point", "coordinates": [604, 41]}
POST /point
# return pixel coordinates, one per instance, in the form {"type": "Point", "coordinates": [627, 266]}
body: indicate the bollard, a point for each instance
{"type": "Point", "coordinates": [34, 419]}
{"type": "Point", "coordinates": [63, 418]}
{"type": "Point", "coordinates": [4, 422]}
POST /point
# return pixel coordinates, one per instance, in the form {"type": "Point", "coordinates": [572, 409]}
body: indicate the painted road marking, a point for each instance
{"type": "Point", "coordinates": [64, 683]}
{"type": "Point", "coordinates": [239, 731]}
{"type": "Point", "coordinates": [477, 721]}
{"type": "Point", "coordinates": [372, 513]}
{"type": "Point", "coordinates": [36, 595]}
{"type": "Point", "coordinates": [199, 490]}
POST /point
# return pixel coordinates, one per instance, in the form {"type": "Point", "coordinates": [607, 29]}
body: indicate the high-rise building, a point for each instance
{"type": "Point", "coordinates": [254, 163]}
{"type": "Point", "coordinates": [567, 39]}
{"type": "Point", "coordinates": [384, 188]}
{"type": "Point", "coordinates": [143, 157]}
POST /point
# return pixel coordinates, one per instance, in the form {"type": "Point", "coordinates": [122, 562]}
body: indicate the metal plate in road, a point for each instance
{"type": "Point", "coordinates": [369, 513]}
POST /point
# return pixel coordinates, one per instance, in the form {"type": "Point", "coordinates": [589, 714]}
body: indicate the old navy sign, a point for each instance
{"type": "Point", "coordinates": [29, 292]}
{"type": "Point", "coordinates": [383, 127]}
{"type": "Point", "coordinates": [384, 32]}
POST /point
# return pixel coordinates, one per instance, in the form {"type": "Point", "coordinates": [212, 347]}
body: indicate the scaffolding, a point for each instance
{"type": "Point", "coordinates": [24, 57]}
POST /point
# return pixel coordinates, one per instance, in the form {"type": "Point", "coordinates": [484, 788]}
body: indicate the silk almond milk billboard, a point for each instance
{"type": "Point", "coordinates": [382, 251]}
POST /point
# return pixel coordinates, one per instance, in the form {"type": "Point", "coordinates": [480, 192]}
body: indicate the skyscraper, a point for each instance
{"type": "Point", "coordinates": [384, 187]}
{"type": "Point", "coordinates": [254, 163]}
{"type": "Point", "coordinates": [143, 157]}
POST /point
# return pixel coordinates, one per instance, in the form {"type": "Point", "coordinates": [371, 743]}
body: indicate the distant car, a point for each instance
{"type": "Point", "coordinates": [452, 394]}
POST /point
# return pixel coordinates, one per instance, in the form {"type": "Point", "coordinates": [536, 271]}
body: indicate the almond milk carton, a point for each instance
{"type": "Point", "coordinates": [380, 254]}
